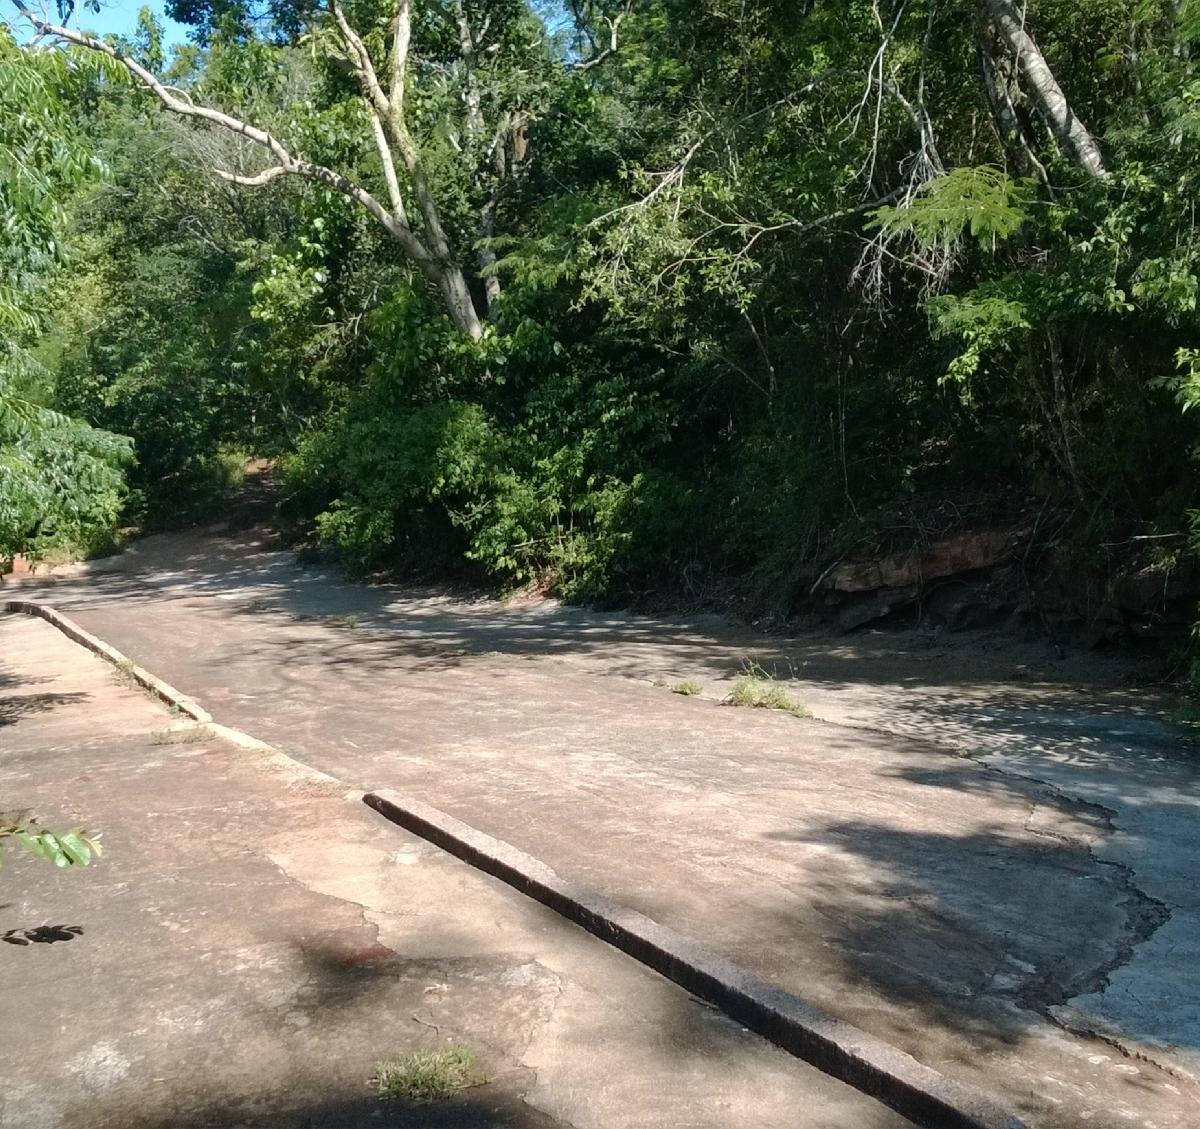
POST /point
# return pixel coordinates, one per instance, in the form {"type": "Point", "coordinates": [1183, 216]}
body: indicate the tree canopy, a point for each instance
{"type": "Point", "coordinates": [616, 296]}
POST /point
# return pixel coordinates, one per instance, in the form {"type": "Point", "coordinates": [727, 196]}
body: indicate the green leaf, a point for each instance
{"type": "Point", "coordinates": [76, 848]}
{"type": "Point", "coordinates": [32, 843]}
{"type": "Point", "coordinates": [982, 200]}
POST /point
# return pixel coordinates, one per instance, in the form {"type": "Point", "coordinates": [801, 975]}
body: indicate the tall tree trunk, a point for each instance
{"type": "Point", "coordinates": [476, 126]}
{"type": "Point", "coordinates": [456, 294]}
{"type": "Point", "coordinates": [1070, 133]}
{"type": "Point", "coordinates": [487, 257]}
{"type": "Point", "coordinates": [1000, 82]}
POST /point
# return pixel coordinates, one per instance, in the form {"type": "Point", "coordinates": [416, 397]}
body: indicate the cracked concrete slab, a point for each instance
{"type": "Point", "coordinates": [977, 862]}
{"type": "Point", "coordinates": [251, 945]}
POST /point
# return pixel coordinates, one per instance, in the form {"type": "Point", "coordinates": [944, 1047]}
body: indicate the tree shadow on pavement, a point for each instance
{"type": "Point", "coordinates": [252, 575]}
{"type": "Point", "coordinates": [14, 707]}
{"type": "Point", "coordinates": [484, 1107]}
{"type": "Point", "coordinates": [974, 940]}
{"type": "Point", "coordinates": [975, 935]}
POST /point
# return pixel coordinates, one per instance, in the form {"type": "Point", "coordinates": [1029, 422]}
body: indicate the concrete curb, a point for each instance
{"type": "Point", "coordinates": [160, 689]}
{"type": "Point", "coordinates": [167, 693]}
{"type": "Point", "coordinates": [837, 1048]}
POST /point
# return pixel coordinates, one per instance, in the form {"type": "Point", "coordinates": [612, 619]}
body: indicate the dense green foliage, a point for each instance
{"type": "Point", "coordinates": [762, 284]}
{"type": "Point", "coordinates": [61, 481]}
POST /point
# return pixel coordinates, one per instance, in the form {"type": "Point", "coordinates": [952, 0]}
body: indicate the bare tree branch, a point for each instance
{"type": "Point", "coordinates": [614, 25]}
{"type": "Point", "coordinates": [434, 259]}
{"type": "Point", "coordinates": [256, 181]}
{"type": "Point", "coordinates": [389, 109]}
{"type": "Point", "coordinates": [401, 43]}
{"type": "Point", "coordinates": [389, 168]}
{"type": "Point", "coordinates": [875, 82]}
{"type": "Point", "coordinates": [364, 70]}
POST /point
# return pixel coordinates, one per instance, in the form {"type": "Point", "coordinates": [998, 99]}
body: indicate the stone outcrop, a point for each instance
{"type": "Point", "coordinates": [951, 556]}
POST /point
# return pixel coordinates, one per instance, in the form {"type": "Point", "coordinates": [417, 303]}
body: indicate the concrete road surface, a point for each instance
{"type": "Point", "coordinates": [253, 943]}
{"type": "Point", "coordinates": [982, 853]}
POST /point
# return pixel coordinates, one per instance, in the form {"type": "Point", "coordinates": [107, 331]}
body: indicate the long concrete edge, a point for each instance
{"type": "Point", "coordinates": [160, 689]}
{"type": "Point", "coordinates": [177, 700]}
{"type": "Point", "coordinates": [865, 1062]}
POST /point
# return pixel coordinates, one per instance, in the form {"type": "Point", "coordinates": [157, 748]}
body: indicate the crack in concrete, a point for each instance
{"type": "Point", "coordinates": [1148, 915]}
{"type": "Point", "coordinates": [1084, 1026]}
{"type": "Point", "coordinates": [1042, 995]}
{"type": "Point", "coordinates": [1144, 916]}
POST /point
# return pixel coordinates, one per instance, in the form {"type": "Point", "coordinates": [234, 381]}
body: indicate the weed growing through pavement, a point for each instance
{"type": "Point", "coordinates": [759, 690]}
{"type": "Point", "coordinates": [424, 1076]}
{"type": "Point", "coordinates": [185, 735]}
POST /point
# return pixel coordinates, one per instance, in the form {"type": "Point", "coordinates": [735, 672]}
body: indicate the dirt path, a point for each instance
{"type": "Point", "coordinates": [987, 854]}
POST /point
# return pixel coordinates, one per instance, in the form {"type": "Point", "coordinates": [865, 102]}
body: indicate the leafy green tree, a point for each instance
{"type": "Point", "coordinates": [483, 58]}
{"type": "Point", "coordinates": [152, 335]}
{"type": "Point", "coordinates": [61, 481]}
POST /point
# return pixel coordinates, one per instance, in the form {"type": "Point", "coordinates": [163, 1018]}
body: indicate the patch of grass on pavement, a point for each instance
{"type": "Point", "coordinates": [688, 688]}
{"type": "Point", "coordinates": [758, 690]}
{"type": "Point", "coordinates": [183, 735]}
{"type": "Point", "coordinates": [425, 1076]}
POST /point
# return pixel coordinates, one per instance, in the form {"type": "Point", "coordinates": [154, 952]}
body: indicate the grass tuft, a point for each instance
{"type": "Point", "coordinates": [758, 690]}
{"type": "Point", "coordinates": [425, 1076]}
{"type": "Point", "coordinates": [688, 689]}
{"type": "Point", "coordinates": [183, 735]}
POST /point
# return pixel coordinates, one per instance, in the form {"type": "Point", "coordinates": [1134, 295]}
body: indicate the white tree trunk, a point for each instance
{"type": "Point", "coordinates": [487, 257]}
{"type": "Point", "coordinates": [1070, 133]}
{"type": "Point", "coordinates": [458, 301]}
{"type": "Point", "coordinates": [1000, 82]}
{"type": "Point", "coordinates": [430, 251]}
